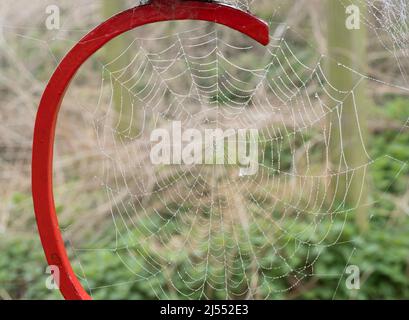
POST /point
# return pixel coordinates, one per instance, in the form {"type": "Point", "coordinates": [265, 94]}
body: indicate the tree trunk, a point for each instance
{"type": "Point", "coordinates": [348, 120]}
{"type": "Point", "coordinates": [114, 55]}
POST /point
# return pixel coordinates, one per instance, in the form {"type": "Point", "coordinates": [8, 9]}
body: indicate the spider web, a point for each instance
{"type": "Point", "coordinates": [207, 231]}
{"type": "Point", "coordinates": [391, 18]}
{"type": "Point", "coordinates": [389, 22]}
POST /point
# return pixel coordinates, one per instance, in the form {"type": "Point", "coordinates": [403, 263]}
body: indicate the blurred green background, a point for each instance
{"type": "Point", "coordinates": [372, 235]}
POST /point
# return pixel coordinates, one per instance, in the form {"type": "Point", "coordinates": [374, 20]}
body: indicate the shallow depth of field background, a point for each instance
{"type": "Point", "coordinates": [379, 246]}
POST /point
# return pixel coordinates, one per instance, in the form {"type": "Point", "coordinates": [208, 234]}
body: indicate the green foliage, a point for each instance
{"type": "Point", "coordinates": [23, 269]}
{"type": "Point", "coordinates": [391, 152]}
{"type": "Point", "coordinates": [383, 270]}
{"type": "Point", "coordinates": [382, 258]}
{"type": "Point", "coordinates": [398, 109]}
{"type": "Point", "coordinates": [381, 254]}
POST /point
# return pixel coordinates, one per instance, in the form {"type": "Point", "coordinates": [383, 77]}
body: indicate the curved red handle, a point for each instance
{"type": "Point", "coordinates": [44, 132]}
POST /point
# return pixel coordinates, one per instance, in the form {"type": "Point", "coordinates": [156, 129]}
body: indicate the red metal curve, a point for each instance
{"type": "Point", "coordinates": [44, 132]}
